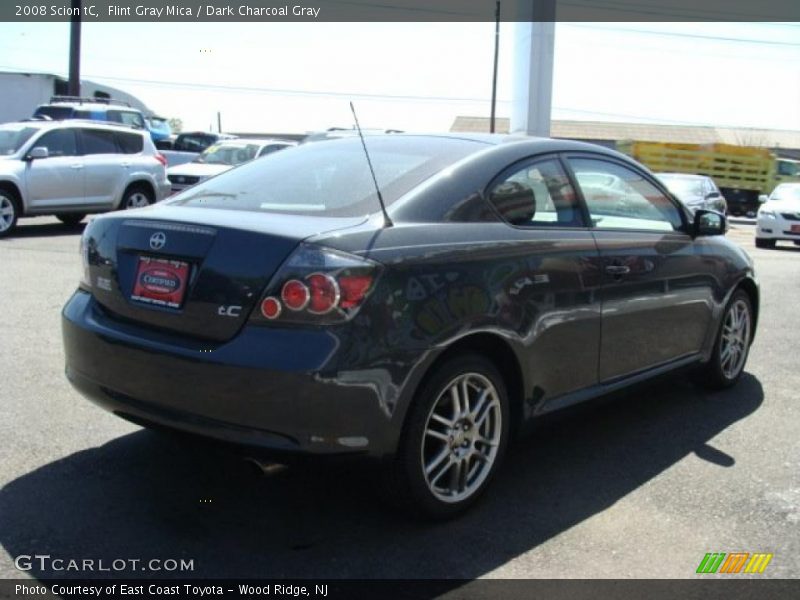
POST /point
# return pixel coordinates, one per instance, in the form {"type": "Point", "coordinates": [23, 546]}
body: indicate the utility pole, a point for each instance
{"type": "Point", "coordinates": [494, 73]}
{"type": "Point", "coordinates": [219, 122]}
{"type": "Point", "coordinates": [74, 87]}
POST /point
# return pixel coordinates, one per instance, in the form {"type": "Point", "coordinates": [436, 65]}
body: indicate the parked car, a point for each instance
{"type": "Point", "coordinates": [277, 307]}
{"type": "Point", "coordinates": [96, 109]}
{"type": "Point", "coordinates": [197, 141]}
{"type": "Point", "coordinates": [188, 146]}
{"type": "Point", "coordinates": [219, 158]}
{"type": "Point", "coordinates": [779, 217]}
{"type": "Point", "coordinates": [72, 168]}
{"type": "Point", "coordinates": [695, 191]}
{"type": "Point", "coordinates": [103, 109]}
{"type": "Point", "coordinates": [159, 129]}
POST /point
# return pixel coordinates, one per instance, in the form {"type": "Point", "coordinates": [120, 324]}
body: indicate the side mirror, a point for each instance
{"type": "Point", "coordinates": [712, 195]}
{"type": "Point", "coordinates": [709, 222]}
{"type": "Point", "coordinates": [38, 152]}
{"type": "Point", "coordinates": [763, 198]}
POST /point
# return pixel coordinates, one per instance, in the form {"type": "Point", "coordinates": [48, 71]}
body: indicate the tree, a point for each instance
{"type": "Point", "coordinates": [175, 124]}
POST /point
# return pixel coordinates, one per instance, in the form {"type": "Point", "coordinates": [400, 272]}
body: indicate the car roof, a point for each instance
{"type": "Point", "coordinates": [524, 143]}
{"type": "Point", "coordinates": [60, 124]}
{"type": "Point", "coordinates": [683, 175]}
{"type": "Point", "coordinates": [256, 141]}
{"type": "Point", "coordinates": [98, 106]}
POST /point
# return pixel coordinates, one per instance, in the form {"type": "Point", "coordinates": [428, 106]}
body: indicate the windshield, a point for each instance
{"type": "Point", "coordinates": [12, 137]}
{"type": "Point", "coordinates": [683, 187]}
{"type": "Point", "coordinates": [786, 192]}
{"type": "Point", "coordinates": [228, 154]}
{"type": "Point", "coordinates": [330, 178]}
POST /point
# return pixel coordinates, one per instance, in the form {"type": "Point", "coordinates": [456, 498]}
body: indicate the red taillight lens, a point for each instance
{"type": "Point", "coordinates": [354, 289]}
{"type": "Point", "coordinates": [271, 308]}
{"type": "Point", "coordinates": [161, 158]}
{"type": "Point", "coordinates": [295, 295]}
{"type": "Point", "coordinates": [324, 293]}
{"type": "Point", "coordinates": [319, 286]}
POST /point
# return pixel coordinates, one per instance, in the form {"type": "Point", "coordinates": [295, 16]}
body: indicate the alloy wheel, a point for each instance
{"type": "Point", "coordinates": [7, 213]}
{"type": "Point", "coordinates": [735, 339]}
{"type": "Point", "coordinates": [137, 200]}
{"type": "Point", "coordinates": [462, 436]}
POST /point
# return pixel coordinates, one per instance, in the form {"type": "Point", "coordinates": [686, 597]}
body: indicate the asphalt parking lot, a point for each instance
{"type": "Point", "coordinates": [640, 487]}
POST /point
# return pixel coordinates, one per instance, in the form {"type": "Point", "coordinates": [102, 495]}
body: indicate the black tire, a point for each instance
{"type": "Point", "coordinates": [713, 375]}
{"type": "Point", "coordinates": [136, 196]}
{"type": "Point", "coordinates": [71, 219]}
{"type": "Point", "coordinates": [9, 212]}
{"type": "Point", "coordinates": [764, 243]}
{"type": "Point", "coordinates": [405, 478]}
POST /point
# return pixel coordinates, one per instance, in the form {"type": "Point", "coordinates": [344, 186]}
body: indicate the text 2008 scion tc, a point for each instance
{"type": "Point", "coordinates": [275, 305]}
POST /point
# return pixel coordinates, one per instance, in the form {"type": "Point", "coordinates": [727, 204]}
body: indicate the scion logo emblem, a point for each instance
{"type": "Point", "coordinates": [157, 240]}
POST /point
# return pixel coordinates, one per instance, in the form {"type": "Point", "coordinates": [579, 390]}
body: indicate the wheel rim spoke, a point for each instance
{"type": "Point", "coordinates": [735, 339]}
{"type": "Point", "coordinates": [438, 435]}
{"type": "Point", "coordinates": [461, 437]}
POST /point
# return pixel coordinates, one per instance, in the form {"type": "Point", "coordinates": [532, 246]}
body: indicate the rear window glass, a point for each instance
{"type": "Point", "coordinates": [129, 143]}
{"type": "Point", "coordinates": [330, 178]}
{"type": "Point", "coordinates": [193, 142]}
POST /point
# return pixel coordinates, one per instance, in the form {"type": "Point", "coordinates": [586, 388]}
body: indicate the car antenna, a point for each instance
{"type": "Point", "coordinates": [387, 222]}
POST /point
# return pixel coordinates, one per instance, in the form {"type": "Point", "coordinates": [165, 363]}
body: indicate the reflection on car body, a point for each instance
{"type": "Point", "coordinates": [509, 286]}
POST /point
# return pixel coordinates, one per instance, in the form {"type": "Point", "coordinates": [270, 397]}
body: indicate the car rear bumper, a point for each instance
{"type": "Point", "coordinates": [268, 389]}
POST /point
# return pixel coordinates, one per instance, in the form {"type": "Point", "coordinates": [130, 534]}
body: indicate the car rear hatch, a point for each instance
{"type": "Point", "coordinates": [192, 271]}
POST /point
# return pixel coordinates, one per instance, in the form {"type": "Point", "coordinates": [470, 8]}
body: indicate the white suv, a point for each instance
{"type": "Point", "coordinates": [72, 168]}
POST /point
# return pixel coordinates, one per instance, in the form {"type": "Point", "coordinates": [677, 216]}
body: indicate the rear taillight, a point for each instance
{"type": "Point", "coordinates": [161, 158]}
{"type": "Point", "coordinates": [86, 278]}
{"type": "Point", "coordinates": [318, 285]}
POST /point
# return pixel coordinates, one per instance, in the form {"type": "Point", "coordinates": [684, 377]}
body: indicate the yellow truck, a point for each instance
{"type": "Point", "coordinates": [742, 173]}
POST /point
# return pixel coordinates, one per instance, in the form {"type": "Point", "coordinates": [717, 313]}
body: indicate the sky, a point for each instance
{"type": "Point", "coordinates": [298, 77]}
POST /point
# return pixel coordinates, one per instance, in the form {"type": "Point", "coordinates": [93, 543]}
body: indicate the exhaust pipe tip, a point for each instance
{"type": "Point", "coordinates": [265, 468]}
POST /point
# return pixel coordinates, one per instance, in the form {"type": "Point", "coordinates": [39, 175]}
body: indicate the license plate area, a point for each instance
{"type": "Point", "coordinates": [795, 229]}
{"type": "Point", "coordinates": [160, 281]}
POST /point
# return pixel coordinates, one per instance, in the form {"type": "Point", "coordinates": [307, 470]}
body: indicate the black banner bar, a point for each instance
{"type": "Point", "coordinates": [187, 11]}
{"type": "Point", "coordinates": [712, 588]}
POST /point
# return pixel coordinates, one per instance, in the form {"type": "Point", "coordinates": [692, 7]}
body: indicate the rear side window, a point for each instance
{"type": "Point", "coordinates": [538, 194]}
{"type": "Point", "coordinates": [620, 198]}
{"type": "Point", "coordinates": [129, 143]}
{"type": "Point", "coordinates": [60, 142]}
{"type": "Point", "coordinates": [98, 141]}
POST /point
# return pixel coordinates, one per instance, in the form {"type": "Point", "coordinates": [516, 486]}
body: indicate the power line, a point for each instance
{"type": "Point", "coordinates": [287, 91]}
{"type": "Point", "coordinates": [665, 13]}
{"type": "Point", "coordinates": [689, 35]}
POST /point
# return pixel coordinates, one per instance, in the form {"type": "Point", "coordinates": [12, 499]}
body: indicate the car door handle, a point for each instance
{"type": "Point", "coordinates": [617, 270]}
{"type": "Point", "coordinates": [77, 166]}
{"type": "Point", "coordinates": [125, 165]}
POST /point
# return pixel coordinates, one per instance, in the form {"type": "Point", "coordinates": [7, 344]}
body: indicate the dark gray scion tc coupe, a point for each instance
{"type": "Point", "coordinates": [276, 307]}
